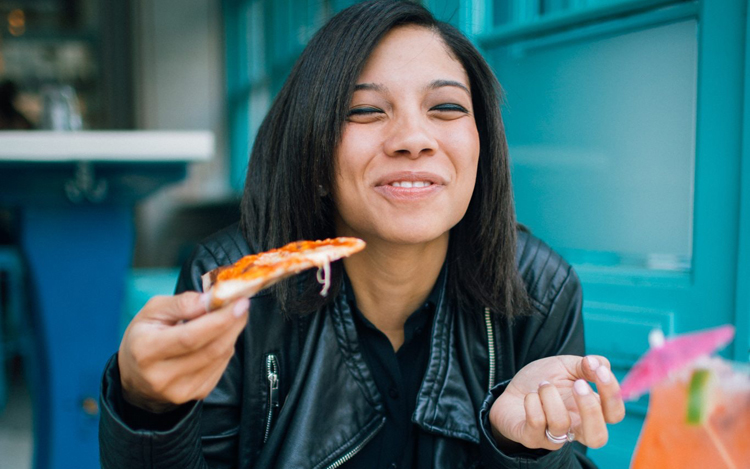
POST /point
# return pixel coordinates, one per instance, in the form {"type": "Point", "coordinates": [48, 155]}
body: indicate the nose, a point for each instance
{"type": "Point", "coordinates": [412, 137]}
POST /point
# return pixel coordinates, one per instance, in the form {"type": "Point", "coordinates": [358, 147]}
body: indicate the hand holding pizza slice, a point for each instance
{"type": "Point", "coordinates": [255, 272]}
{"type": "Point", "coordinates": [173, 352]}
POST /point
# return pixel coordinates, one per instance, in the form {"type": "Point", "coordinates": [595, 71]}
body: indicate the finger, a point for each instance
{"type": "Point", "coordinates": [555, 412]}
{"type": "Point", "coordinates": [612, 404]}
{"type": "Point", "coordinates": [212, 353]}
{"type": "Point", "coordinates": [176, 379]}
{"type": "Point", "coordinates": [173, 309]}
{"type": "Point", "coordinates": [592, 430]}
{"type": "Point", "coordinates": [587, 366]}
{"type": "Point", "coordinates": [180, 388]}
{"type": "Point", "coordinates": [597, 369]}
{"type": "Point", "coordinates": [536, 422]}
{"type": "Point", "coordinates": [196, 334]}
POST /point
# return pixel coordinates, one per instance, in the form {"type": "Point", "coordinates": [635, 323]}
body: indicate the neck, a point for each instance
{"type": "Point", "coordinates": [391, 282]}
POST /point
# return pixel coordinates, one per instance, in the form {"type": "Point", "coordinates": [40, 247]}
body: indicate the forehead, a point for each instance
{"type": "Point", "coordinates": [413, 52]}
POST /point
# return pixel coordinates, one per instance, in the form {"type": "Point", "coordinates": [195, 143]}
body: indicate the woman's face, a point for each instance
{"type": "Point", "coordinates": [407, 161]}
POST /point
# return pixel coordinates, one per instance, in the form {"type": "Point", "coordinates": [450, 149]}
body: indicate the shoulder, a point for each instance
{"type": "Point", "coordinates": [548, 278]}
{"type": "Point", "coordinates": [222, 248]}
{"type": "Point", "coordinates": [226, 246]}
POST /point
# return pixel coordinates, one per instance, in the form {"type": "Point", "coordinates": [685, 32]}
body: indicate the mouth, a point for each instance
{"type": "Point", "coordinates": [410, 180]}
{"type": "Point", "coordinates": [406, 186]}
{"type": "Point", "coordinates": [410, 184]}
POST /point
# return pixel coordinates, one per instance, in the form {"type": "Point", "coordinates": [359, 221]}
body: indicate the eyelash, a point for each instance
{"type": "Point", "coordinates": [364, 111]}
{"type": "Point", "coordinates": [451, 107]}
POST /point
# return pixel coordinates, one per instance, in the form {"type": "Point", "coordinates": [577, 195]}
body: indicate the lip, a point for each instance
{"type": "Point", "coordinates": [383, 185]}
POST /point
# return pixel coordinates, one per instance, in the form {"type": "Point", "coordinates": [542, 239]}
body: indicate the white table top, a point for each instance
{"type": "Point", "coordinates": [106, 146]}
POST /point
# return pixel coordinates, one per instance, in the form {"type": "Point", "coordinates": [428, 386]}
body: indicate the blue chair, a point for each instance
{"type": "Point", "coordinates": [16, 340]}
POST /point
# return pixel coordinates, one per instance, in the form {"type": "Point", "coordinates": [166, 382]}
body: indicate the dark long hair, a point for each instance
{"type": "Point", "coordinates": [293, 157]}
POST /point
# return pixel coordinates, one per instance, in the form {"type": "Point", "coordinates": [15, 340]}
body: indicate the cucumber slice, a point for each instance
{"type": "Point", "coordinates": [699, 396]}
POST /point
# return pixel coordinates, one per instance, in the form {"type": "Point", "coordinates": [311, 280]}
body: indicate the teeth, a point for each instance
{"type": "Point", "coordinates": [410, 184]}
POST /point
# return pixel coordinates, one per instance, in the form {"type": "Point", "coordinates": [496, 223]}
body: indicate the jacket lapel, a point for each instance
{"type": "Point", "coordinates": [309, 432]}
{"type": "Point", "coordinates": [444, 404]}
{"type": "Point", "coordinates": [333, 404]}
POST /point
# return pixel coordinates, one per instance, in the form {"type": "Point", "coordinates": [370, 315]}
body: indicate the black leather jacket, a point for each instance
{"type": "Point", "coordinates": [298, 393]}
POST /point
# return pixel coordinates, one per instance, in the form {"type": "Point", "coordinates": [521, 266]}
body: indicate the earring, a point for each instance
{"type": "Point", "coordinates": [322, 192]}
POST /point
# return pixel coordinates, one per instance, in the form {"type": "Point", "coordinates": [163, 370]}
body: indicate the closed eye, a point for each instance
{"type": "Point", "coordinates": [450, 107]}
{"type": "Point", "coordinates": [363, 111]}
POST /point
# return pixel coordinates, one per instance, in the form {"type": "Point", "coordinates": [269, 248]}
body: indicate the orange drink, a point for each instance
{"type": "Point", "coordinates": [719, 439]}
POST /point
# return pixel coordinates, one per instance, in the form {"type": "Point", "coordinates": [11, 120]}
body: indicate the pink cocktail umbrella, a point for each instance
{"type": "Point", "coordinates": [670, 355]}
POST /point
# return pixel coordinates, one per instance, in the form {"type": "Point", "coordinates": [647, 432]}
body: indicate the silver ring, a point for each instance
{"type": "Point", "coordinates": [558, 440]}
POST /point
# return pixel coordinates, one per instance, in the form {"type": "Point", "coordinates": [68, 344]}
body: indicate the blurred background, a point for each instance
{"type": "Point", "coordinates": [626, 121]}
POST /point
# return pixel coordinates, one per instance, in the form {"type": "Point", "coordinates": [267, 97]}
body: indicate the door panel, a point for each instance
{"type": "Point", "coordinates": [599, 132]}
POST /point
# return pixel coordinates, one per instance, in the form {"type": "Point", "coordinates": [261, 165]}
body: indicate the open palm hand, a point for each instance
{"type": "Point", "coordinates": [553, 394]}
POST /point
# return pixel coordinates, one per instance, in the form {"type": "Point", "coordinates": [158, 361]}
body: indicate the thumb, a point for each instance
{"type": "Point", "coordinates": [174, 309]}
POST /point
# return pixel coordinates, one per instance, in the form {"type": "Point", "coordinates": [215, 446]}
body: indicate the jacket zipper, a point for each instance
{"type": "Point", "coordinates": [491, 346]}
{"type": "Point", "coordinates": [272, 373]}
{"type": "Point", "coordinates": [350, 454]}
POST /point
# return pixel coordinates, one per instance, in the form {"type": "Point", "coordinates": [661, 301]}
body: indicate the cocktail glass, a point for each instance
{"type": "Point", "coordinates": [699, 411]}
{"type": "Point", "coordinates": [694, 424]}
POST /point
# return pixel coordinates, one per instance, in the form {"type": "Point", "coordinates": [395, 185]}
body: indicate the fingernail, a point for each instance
{"type": "Point", "coordinates": [581, 387]}
{"type": "Point", "coordinates": [604, 374]}
{"type": "Point", "coordinates": [593, 362]}
{"type": "Point", "coordinates": [241, 307]}
{"type": "Point", "coordinates": [543, 383]}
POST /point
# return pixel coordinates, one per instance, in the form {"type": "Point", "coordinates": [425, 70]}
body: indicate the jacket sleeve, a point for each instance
{"type": "Point", "coordinates": [559, 332]}
{"type": "Point", "coordinates": [155, 445]}
{"type": "Point", "coordinates": [196, 435]}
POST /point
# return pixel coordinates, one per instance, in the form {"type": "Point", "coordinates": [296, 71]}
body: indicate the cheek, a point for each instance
{"type": "Point", "coordinates": [353, 155]}
{"type": "Point", "coordinates": [467, 148]}
{"type": "Point", "coordinates": [342, 161]}
{"type": "Point", "coordinates": [468, 167]}
{"type": "Point", "coordinates": [349, 169]}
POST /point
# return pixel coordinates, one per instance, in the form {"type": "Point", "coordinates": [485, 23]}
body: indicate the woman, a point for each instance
{"type": "Point", "coordinates": [452, 340]}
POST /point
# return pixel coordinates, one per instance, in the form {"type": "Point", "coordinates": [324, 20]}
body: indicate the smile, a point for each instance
{"type": "Point", "coordinates": [410, 184]}
{"type": "Point", "coordinates": [410, 180]}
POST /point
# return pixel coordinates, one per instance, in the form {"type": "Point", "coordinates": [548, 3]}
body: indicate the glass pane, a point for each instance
{"type": "Point", "coordinates": [602, 144]}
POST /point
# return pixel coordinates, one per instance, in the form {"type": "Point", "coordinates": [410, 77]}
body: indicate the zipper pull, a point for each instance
{"type": "Point", "coordinates": [272, 372]}
{"type": "Point", "coordinates": [273, 381]}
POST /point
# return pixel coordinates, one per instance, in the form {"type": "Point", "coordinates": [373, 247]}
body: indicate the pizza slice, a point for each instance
{"type": "Point", "coordinates": [255, 272]}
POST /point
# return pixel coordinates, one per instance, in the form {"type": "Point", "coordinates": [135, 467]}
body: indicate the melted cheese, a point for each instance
{"type": "Point", "coordinates": [325, 270]}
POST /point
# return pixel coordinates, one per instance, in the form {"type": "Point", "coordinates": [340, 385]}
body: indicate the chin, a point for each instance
{"type": "Point", "coordinates": [413, 236]}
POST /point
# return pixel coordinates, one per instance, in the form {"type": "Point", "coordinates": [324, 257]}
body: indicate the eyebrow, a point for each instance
{"type": "Point", "coordinates": [431, 86]}
{"type": "Point", "coordinates": [441, 83]}
{"type": "Point", "coordinates": [370, 87]}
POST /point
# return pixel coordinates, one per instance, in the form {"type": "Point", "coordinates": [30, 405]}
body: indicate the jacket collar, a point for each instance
{"type": "Point", "coordinates": [444, 404]}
